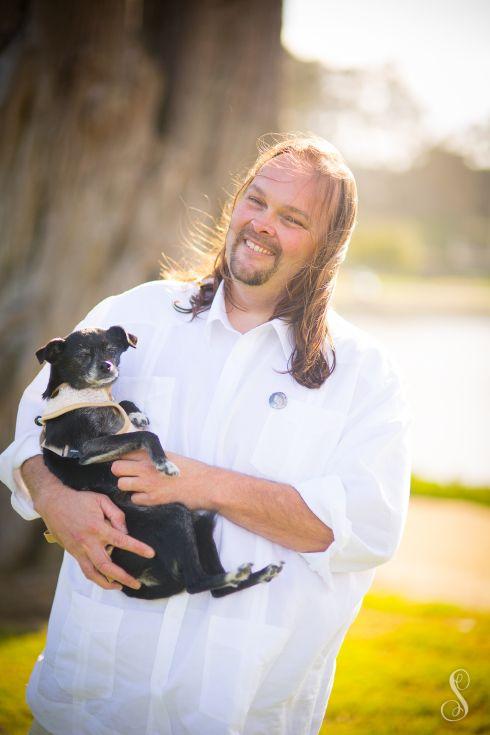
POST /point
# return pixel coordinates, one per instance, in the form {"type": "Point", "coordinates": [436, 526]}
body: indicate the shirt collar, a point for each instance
{"type": "Point", "coordinates": [217, 314]}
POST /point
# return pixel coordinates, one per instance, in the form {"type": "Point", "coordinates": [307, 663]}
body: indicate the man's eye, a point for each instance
{"type": "Point", "coordinates": [288, 218]}
{"type": "Point", "coordinates": [254, 199]}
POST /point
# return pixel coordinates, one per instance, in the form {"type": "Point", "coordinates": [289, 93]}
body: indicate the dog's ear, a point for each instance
{"type": "Point", "coordinates": [51, 351]}
{"type": "Point", "coordinates": [120, 336]}
{"type": "Point", "coordinates": [132, 339]}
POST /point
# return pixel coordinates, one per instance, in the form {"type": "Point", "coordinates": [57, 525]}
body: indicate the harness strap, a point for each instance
{"type": "Point", "coordinates": [67, 451]}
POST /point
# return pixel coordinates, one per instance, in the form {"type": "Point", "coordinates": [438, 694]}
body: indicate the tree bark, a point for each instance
{"type": "Point", "coordinates": [116, 119]}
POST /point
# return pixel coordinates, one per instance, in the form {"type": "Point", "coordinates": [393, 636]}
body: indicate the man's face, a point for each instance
{"type": "Point", "coordinates": [270, 234]}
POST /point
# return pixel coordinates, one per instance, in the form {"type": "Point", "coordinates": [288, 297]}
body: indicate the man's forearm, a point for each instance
{"type": "Point", "coordinates": [270, 509]}
{"type": "Point", "coordinates": [273, 510]}
{"type": "Point", "coordinates": [40, 482]}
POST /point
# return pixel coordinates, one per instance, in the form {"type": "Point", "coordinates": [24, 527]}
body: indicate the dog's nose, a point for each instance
{"type": "Point", "coordinates": [106, 366]}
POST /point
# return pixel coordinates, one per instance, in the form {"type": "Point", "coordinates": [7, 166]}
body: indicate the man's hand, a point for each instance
{"type": "Point", "coordinates": [137, 474]}
{"type": "Point", "coordinates": [84, 523]}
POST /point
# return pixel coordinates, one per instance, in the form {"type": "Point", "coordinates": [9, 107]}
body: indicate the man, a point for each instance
{"type": "Point", "coordinates": [284, 418]}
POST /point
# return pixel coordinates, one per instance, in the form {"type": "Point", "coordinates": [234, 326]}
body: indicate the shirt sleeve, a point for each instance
{"type": "Point", "coordinates": [364, 495]}
{"type": "Point", "coordinates": [26, 441]}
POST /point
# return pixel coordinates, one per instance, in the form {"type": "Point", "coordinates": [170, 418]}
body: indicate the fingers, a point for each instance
{"type": "Point", "coordinates": [97, 565]}
{"type": "Point", "coordinates": [127, 484]}
{"type": "Point", "coordinates": [139, 486]}
{"type": "Point", "coordinates": [144, 499]}
{"type": "Point", "coordinates": [105, 568]}
{"type": "Point", "coordinates": [128, 543]}
{"type": "Point", "coordinates": [114, 514]}
{"type": "Point", "coordinates": [93, 575]}
{"type": "Point", "coordinates": [128, 468]}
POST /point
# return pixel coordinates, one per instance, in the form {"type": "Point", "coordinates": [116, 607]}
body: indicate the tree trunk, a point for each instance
{"type": "Point", "coordinates": [115, 118]}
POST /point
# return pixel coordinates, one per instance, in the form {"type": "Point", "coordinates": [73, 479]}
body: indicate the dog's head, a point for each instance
{"type": "Point", "coordinates": [88, 358]}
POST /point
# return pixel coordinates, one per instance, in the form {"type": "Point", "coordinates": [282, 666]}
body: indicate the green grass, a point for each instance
{"type": "Point", "coordinates": [392, 671]}
{"type": "Point", "coordinates": [454, 491]}
{"type": "Point", "coordinates": [18, 653]}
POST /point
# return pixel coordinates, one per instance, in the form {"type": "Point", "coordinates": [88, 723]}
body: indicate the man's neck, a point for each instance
{"type": "Point", "coordinates": [251, 306]}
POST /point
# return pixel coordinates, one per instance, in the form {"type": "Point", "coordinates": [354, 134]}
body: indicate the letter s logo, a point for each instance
{"type": "Point", "coordinates": [458, 681]}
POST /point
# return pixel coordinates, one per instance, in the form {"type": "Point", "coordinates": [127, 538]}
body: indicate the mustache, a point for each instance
{"type": "Point", "coordinates": [262, 243]}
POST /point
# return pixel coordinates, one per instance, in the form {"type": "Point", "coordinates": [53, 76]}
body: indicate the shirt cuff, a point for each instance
{"type": "Point", "coordinates": [21, 499]}
{"type": "Point", "coordinates": [326, 498]}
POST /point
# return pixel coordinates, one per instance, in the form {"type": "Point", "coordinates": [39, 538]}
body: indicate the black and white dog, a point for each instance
{"type": "Point", "coordinates": [84, 430]}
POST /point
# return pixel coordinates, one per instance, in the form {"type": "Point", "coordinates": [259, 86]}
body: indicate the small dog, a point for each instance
{"type": "Point", "coordinates": [84, 430]}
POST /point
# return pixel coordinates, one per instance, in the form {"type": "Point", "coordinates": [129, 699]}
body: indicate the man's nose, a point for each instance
{"type": "Point", "coordinates": [263, 225]}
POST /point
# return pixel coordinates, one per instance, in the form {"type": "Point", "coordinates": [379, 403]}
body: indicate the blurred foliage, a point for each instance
{"type": "Point", "coordinates": [454, 491]}
{"type": "Point", "coordinates": [423, 209]}
{"type": "Point", "coordinates": [351, 106]}
{"type": "Point", "coordinates": [401, 295]}
{"type": "Point", "coordinates": [412, 647]}
{"type": "Point", "coordinates": [388, 246]}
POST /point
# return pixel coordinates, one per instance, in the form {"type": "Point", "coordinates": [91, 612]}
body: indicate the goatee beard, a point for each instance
{"type": "Point", "coordinates": [246, 275]}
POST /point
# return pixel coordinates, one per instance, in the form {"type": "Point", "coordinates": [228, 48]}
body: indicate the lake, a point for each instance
{"type": "Point", "coordinates": [445, 363]}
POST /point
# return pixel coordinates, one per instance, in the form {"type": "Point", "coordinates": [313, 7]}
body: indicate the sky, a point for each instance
{"type": "Point", "coordinates": [439, 47]}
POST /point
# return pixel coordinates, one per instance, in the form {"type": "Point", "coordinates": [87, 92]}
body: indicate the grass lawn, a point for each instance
{"type": "Point", "coordinates": [392, 671]}
{"type": "Point", "coordinates": [453, 491]}
{"type": "Point", "coordinates": [18, 652]}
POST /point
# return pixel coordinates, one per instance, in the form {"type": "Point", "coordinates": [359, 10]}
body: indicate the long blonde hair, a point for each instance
{"type": "Point", "coordinates": [307, 295]}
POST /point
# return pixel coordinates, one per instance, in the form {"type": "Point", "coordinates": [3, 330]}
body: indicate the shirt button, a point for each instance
{"type": "Point", "coordinates": [278, 400]}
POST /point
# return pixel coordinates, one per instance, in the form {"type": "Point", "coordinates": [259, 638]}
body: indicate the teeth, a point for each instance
{"type": "Point", "coordinates": [257, 248]}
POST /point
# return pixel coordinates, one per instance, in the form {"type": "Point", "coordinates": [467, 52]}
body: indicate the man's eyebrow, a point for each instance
{"type": "Point", "coordinates": [284, 206]}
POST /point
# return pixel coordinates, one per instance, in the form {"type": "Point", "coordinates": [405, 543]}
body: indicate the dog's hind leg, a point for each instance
{"type": "Point", "coordinates": [181, 542]}
{"type": "Point", "coordinates": [211, 562]}
{"type": "Point", "coordinates": [263, 575]}
{"type": "Point", "coordinates": [208, 553]}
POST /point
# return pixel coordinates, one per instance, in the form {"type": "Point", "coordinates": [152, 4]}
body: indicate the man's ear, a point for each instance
{"type": "Point", "coordinates": [51, 351]}
{"type": "Point", "coordinates": [119, 335]}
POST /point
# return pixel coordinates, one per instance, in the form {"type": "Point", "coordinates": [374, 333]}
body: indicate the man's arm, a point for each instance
{"type": "Point", "coordinates": [270, 509]}
{"type": "Point", "coordinates": [84, 523]}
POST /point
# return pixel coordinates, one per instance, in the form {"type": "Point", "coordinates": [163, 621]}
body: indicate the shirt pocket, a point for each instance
{"type": "Point", "coordinates": [296, 442]}
{"type": "Point", "coordinates": [153, 395]}
{"type": "Point", "coordinates": [85, 659]}
{"type": "Point", "coordinates": [237, 657]}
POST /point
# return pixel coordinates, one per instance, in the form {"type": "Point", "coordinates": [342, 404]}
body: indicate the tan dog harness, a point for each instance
{"type": "Point", "coordinates": [66, 399]}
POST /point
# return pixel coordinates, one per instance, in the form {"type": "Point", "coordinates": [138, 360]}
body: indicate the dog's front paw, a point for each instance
{"type": "Point", "coordinates": [168, 468]}
{"type": "Point", "coordinates": [139, 419]}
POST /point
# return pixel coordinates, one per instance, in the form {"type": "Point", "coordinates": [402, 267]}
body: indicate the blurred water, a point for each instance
{"type": "Point", "coordinates": [445, 363]}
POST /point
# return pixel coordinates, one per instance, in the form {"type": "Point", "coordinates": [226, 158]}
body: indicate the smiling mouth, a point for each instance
{"type": "Point", "coordinates": [257, 248]}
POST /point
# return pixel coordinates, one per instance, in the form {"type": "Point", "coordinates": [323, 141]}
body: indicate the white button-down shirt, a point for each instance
{"type": "Point", "coordinates": [260, 661]}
